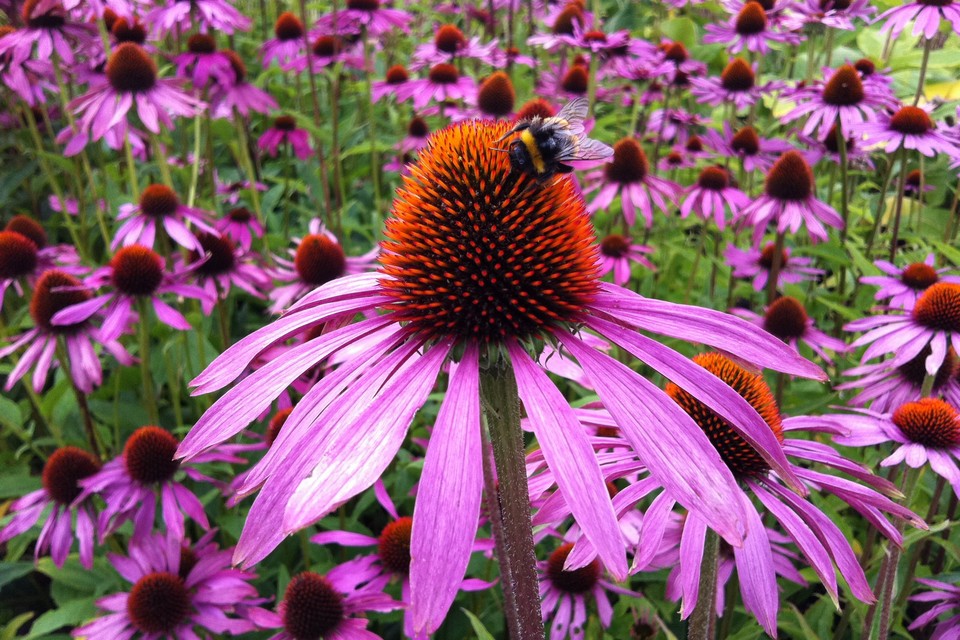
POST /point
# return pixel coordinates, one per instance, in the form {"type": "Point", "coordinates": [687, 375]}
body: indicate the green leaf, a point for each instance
{"type": "Point", "coordinates": [478, 627]}
{"type": "Point", "coordinates": [71, 614]}
{"type": "Point", "coordinates": [9, 632]}
{"type": "Point", "coordinates": [10, 416]}
{"type": "Point", "coordinates": [10, 571]}
{"type": "Point", "coordinates": [682, 30]}
{"type": "Point", "coordinates": [17, 484]}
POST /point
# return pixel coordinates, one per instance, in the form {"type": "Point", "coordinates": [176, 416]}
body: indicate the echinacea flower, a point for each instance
{"type": "Point", "coordinates": [203, 63]}
{"type": "Point", "coordinates": [218, 16]}
{"type": "Point", "coordinates": [130, 483]}
{"type": "Point", "coordinates": [396, 82]}
{"type": "Point", "coordinates": [48, 25]}
{"type": "Point", "coordinates": [450, 45]}
{"type": "Point", "coordinates": [884, 387]}
{"type": "Point", "coordinates": [159, 206]}
{"type": "Point", "coordinates": [287, 47]}
{"type": "Point", "coordinates": [756, 264]}
{"type": "Point", "coordinates": [368, 15]}
{"type": "Point", "coordinates": [62, 472]}
{"type": "Point", "coordinates": [131, 80]}
{"type": "Point", "coordinates": [328, 50]}
{"type": "Point", "coordinates": [754, 151]}
{"type": "Point", "coordinates": [789, 200]}
{"type": "Point", "coordinates": [908, 128]}
{"type": "Point", "coordinates": [905, 285]}
{"type": "Point", "coordinates": [842, 100]}
{"type": "Point", "coordinates": [496, 96]}
{"type": "Point", "coordinates": [749, 29]}
{"type": "Point", "coordinates": [285, 132]}
{"type": "Point", "coordinates": [787, 319]}
{"type": "Point", "coordinates": [25, 255]}
{"type": "Point", "coordinates": [317, 259]}
{"type": "Point", "coordinates": [135, 273]}
{"type": "Point", "coordinates": [836, 14]}
{"type": "Point", "coordinates": [330, 605]}
{"type": "Point", "coordinates": [736, 85]}
{"type": "Point", "coordinates": [712, 196]}
{"type": "Point", "coordinates": [924, 432]}
{"type": "Point", "coordinates": [927, 13]}
{"type": "Point", "coordinates": [471, 270]}
{"type": "Point", "coordinates": [417, 133]}
{"type": "Point", "coordinates": [947, 600]}
{"type": "Point", "coordinates": [616, 254]}
{"type": "Point", "coordinates": [933, 321]}
{"type": "Point", "coordinates": [443, 83]}
{"type": "Point", "coordinates": [560, 23]}
{"type": "Point", "coordinates": [56, 290]}
{"type": "Point", "coordinates": [566, 593]}
{"type": "Point", "coordinates": [628, 175]}
{"type": "Point", "coordinates": [239, 96]}
{"type": "Point", "coordinates": [240, 225]}
{"type": "Point", "coordinates": [223, 264]}
{"type": "Point", "coordinates": [177, 591]}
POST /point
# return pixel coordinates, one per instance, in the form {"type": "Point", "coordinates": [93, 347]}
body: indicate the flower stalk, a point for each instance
{"type": "Point", "coordinates": [703, 619]}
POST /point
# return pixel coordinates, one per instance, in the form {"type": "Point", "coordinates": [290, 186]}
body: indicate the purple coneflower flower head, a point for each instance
{"type": "Point", "coordinates": [754, 151]}
{"type": "Point", "coordinates": [496, 96]}
{"type": "Point", "coordinates": [947, 599]}
{"type": "Point", "coordinates": [909, 128]}
{"type": "Point", "coordinates": [56, 290]}
{"type": "Point", "coordinates": [915, 185]}
{"type": "Point", "coordinates": [328, 50]}
{"type": "Point", "coordinates": [885, 387]}
{"type": "Point", "coordinates": [926, 13]}
{"type": "Point", "coordinates": [285, 131]}
{"type": "Point", "coordinates": [904, 285]}
{"type": "Point", "coordinates": [417, 133]}
{"type": "Point", "coordinates": [129, 485]}
{"type": "Point", "coordinates": [933, 321]}
{"type": "Point", "coordinates": [217, 16]}
{"type": "Point", "coordinates": [333, 605]}
{"type": "Point", "coordinates": [240, 225]}
{"type": "Point", "coordinates": [223, 264]}
{"type": "Point", "coordinates": [450, 45]}
{"type": "Point", "coordinates": [595, 41]}
{"type": "Point", "coordinates": [317, 259]}
{"type": "Point", "coordinates": [160, 206]}
{"type": "Point", "coordinates": [756, 264]}
{"type": "Point", "coordinates": [545, 254]}
{"type": "Point", "coordinates": [737, 84]}
{"type": "Point", "coordinates": [828, 146]}
{"type": "Point", "coordinates": [843, 98]}
{"type": "Point", "coordinates": [836, 14]}
{"type": "Point", "coordinates": [628, 175]}
{"type": "Point", "coordinates": [562, 22]}
{"type": "Point", "coordinates": [239, 96]}
{"type": "Point", "coordinates": [675, 63]}
{"type": "Point", "coordinates": [287, 47]}
{"type": "Point", "coordinates": [131, 79]}
{"type": "Point", "coordinates": [790, 201]}
{"type": "Point", "coordinates": [231, 191]}
{"type": "Point", "coordinates": [396, 82]}
{"type": "Point", "coordinates": [787, 319]}
{"type": "Point", "coordinates": [25, 255]}
{"type": "Point", "coordinates": [47, 24]}
{"type": "Point", "coordinates": [177, 591]}
{"type": "Point", "coordinates": [616, 254]}
{"type": "Point", "coordinates": [926, 431]}
{"type": "Point", "coordinates": [442, 84]}
{"type": "Point", "coordinates": [202, 63]}
{"type": "Point", "coordinates": [63, 471]}
{"type": "Point", "coordinates": [367, 15]}
{"type": "Point", "coordinates": [676, 125]}
{"type": "Point", "coordinates": [712, 196]}
{"type": "Point", "coordinates": [135, 273]}
{"type": "Point", "coordinates": [750, 30]}
{"type": "Point", "coordinates": [565, 594]}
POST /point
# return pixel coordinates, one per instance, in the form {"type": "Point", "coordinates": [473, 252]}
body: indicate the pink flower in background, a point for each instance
{"type": "Point", "coordinates": [285, 132]}
{"type": "Point", "coordinates": [904, 285]}
{"type": "Point", "coordinates": [756, 264]}
{"type": "Point", "coordinates": [787, 319]}
{"type": "Point", "coordinates": [160, 209]}
{"type": "Point", "coordinates": [616, 254]}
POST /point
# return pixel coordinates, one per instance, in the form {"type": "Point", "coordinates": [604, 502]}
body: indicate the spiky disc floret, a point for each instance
{"type": "Point", "coordinates": [478, 250]}
{"type": "Point", "coordinates": [742, 459]}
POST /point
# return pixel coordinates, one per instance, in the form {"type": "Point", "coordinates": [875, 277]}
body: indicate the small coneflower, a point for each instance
{"type": "Point", "coordinates": [928, 15]}
{"type": "Point", "coordinates": [333, 605]}
{"type": "Point", "coordinates": [836, 14]}
{"type": "Point", "coordinates": [146, 471]}
{"type": "Point", "coordinates": [934, 321]}
{"type": "Point", "coordinates": [443, 83]}
{"type": "Point", "coordinates": [736, 84]}
{"type": "Point", "coordinates": [789, 200]}
{"type": "Point", "coordinates": [202, 63]}
{"type": "Point", "coordinates": [317, 259]}
{"type": "Point", "coordinates": [396, 82]}
{"type": "Point", "coordinates": [285, 131]}
{"type": "Point", "coordinates": [369, 15]}
{"type": "Point", "coordinates": [25, 255]}
{"type": "Point", "coordinates": [885, 387]}
{"type": "Point", "coordinates": [749, 29]}
{"type": "Point", "coordinates": [755, 263]}
{"type": "Point", "coordinates": [160, 206]}
{"type": "Point", "coordinates": [223, 264]}
{"type": "Point", "coordinates": [676, 125]}
{"type": "Point", "coordinates": [754, 151]}
{"type": "Point", "coordinates": [843, 100]}
{"type": "Point", "coordinates": [134, 273]}
{"type": "Point", "coordinates": [787, 319]}
{"type": "Point", "coordinates": [131, 80]}
{"type": "Point", "coordinates": [240, 225]}
{"type": "Point", "coordinates": [450, 45]}
{"type": "Point", "coordinates": [328, 50]}
{"type": "Point", "coordinates": [575, 82]}
{"type": "Point", "coordinates": [908, 128]}
{"type": "Point", "coordinates": [673, 59]}
{"type": "Point", "coordinates": [286, 48]}
{"type": "Point", "coordinates": [54, 291]}
{"type": "Point", "coordinates": [62, 473]}
{"type": "Point", "coordinates": [231, 191]}
{"type": "Point", "coordinates": [131, 30]}
{"type": "Point", "coordinates": [565, 594]}
{"type": "Point", "coordinates": [471, 268]}
{"type": "Point", "coordinates": [239, 95]}
{"type": "Point", "coordinates": [48, 26]}
{"type": "Point", "coordinates": [628, 175]}
{"type": "Point", "coordinates": [417, 133]}
{"type": "Point", "coordinates": [924, 432]}
{"type": "Point", "coordinates": [946, 599]}
{"type": "Point", "coordinates": [561, 22]}
{"type": "Point", "coordinates": [595, 41]}
{"type": "Point", "coordinates": [216, 16]}
{"type": "Point", "coordinates": [712, 196]}
{"type": "Point", "coordinates": [904, 285]}
{"type": "Point", "coordinates": [496, 96]}
{"type": "Point", "coordinates": [616, 254]}
{"type": "Point", "coordinates": [177, 591]}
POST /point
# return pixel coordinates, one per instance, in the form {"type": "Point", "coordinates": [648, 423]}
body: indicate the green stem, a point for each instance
{"type": "Point", "coordinates": [927, 46]}
{"type": "Point", "coordinates": [161, 159]}
{"type": "Point", "coordinates": [898, 206]}
{"type": "Point", "coordinates": [501, 403]}
{"type": "Point", "coordinates": [81, 397]}
{"type": "Point", "coordinates": [149, 393]}
{"type": "Point", "coordinates": [775, 265]}
{"type": "Point", "coordinates": [372, 133]}
{"type": "Point", "coordinates": [703, 619]}
{"type": "Point", "coordinates": [131, 169]}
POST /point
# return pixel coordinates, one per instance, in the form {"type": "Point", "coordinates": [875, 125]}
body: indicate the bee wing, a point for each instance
{"type": "Point", "coordinates": [590, 149]}
{"type": "Point", "coordinates": [573, 114]}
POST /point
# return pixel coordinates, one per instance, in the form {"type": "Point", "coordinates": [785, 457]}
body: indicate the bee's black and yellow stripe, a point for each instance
{"type": "Point", "coordinates": [535, 156]}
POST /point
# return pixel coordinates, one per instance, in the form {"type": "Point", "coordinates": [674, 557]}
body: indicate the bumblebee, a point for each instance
{"type": "Point", "coordinates": [546, 145]}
